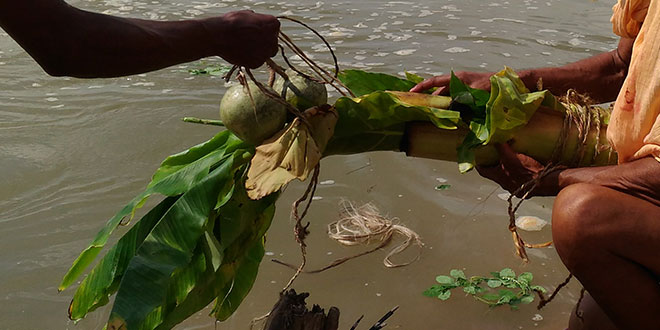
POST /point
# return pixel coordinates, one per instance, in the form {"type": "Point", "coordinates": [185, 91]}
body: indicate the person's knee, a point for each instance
{"type": "Point", "coordinates": [575, 222]}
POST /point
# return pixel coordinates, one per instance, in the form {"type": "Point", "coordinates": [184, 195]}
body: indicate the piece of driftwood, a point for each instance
{"type": "Point", "coordinates": [291, 313]}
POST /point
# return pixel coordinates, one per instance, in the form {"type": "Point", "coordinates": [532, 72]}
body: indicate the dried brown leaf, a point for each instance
{"type": "Point", "coordinates": [292, 153]}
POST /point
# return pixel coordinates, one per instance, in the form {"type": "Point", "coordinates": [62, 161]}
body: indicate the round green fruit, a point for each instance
{"type": "Point", "coordinates": [252, 120]}
{"type": "Point", "coordinates": [301, 92]}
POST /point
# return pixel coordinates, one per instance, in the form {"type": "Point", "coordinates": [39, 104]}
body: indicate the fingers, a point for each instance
{"type": "Point", "coordinates": [499, 175]}
{"type": "Point", "coordinates": [508, 157]}
{"type": "Point", "coordinates": [249, 38]}
{"type": "Point", "coordinates": [437, 81]}
{"type": "Point", "coordinates": [441, 91]}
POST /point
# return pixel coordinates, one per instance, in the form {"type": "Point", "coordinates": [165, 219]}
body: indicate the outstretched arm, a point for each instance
{"type": "Point", "coordinates": [67, 41]}
{"type": "Point", "coordinates": [599, 76]}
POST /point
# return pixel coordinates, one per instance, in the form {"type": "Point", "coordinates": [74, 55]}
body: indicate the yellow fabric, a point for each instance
{"type": "Point", "coordinates": [634, 129]}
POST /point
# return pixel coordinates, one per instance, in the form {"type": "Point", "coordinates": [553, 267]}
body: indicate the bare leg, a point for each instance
{"type": "Point", "coordinates": [611, 242]}
{"type": "Point", "coordinates": [588, 315]}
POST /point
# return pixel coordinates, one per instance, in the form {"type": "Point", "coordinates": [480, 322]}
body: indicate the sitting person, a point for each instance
{"type": "Point", "coordinates": [605, 220]}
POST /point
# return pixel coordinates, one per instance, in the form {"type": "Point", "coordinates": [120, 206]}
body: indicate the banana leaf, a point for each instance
{"type": "Point", "coordinates": [510, 106]}
{"type": "Point", "coordinates": [177, 175]}
{"type": "Point", "coordinates": [103, 280]}
{"type": "Point", "coordinates": [376, 121]}
{"type": "Point", "coordinates": [232, 250]}
{"type": "Point", "coordinates": [362, 82]}
{"type": "Point", "coordinates": [168, 248]}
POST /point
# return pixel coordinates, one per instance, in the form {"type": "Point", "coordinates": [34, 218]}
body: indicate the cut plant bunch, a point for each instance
{"type": "Point", "coordinates": [205, 240]}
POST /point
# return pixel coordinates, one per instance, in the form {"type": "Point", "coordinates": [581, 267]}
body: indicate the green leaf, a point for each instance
{"type": "Point", "coordinates": [242, 252]}
{"type": "Point", "coordinates": [527, 299]}
{"type": "Point", "coordinates": [506, 296]}
{"type": "Point", "coordinates": [103, 280]}
{"type": "Point", "coordinates": [470, 290]}
{"type": "Point", "coordinates": [458, 274]}
{"type": "Point", "coordinates": [444, 295]}
{"type": "Point", "coordinates": [494, 283]}
{"type": "Point", "coordinates": [213, 70]}
{"type": "Point", "coordinates": [232, 295]}
{"type": "Point", "coordinates": [223, 141]}
{"type": "Point", "coordinates": [377, 122]}
{"type": "Point", "coordinates": [465, 156]}
{"type": "Point", "coordinates": [463, 98]}
{"type": "Point", "coordinates": [414, 77]}
{"type": "Point", "coordinates": [443, 187]}
{"type": "Point", "coordinates": [491, 297]}
{"type": "Point", "coordinates": [361, 82]}
{"type": "Point", "coordinates": [511, 105]}
{"type": "Point", "coordinates": [475, 99]}
{"type": "Point", "coordinates": [507, 272]}
{"type": "Point", "coordinates": [433, 291]}
{"type": "Point", "coordinates": [176, 175]}
{"type": "Point", "coordinates": [169, 248]}
{"type": "Point", "coordinates": [444, 280]}
{"type": "Point", "coordinates": [526, 277]}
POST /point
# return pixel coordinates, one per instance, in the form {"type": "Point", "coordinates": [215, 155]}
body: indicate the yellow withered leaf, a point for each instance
{"type": "Point", "coordinates": [292, 153]}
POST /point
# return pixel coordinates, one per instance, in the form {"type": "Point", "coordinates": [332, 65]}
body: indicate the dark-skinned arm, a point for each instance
{"type": "Point", "coordinates": [599, 76]}
{"type": "Point", "coordinates": [639, 178]}
{"type": "Point", "coordinates": [68, 41]}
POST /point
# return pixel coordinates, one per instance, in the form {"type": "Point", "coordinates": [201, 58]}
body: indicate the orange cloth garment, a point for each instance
{"type": "Point", "coordinates": [634, 129]}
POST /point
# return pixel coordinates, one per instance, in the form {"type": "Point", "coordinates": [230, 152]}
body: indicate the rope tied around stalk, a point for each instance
{"type": "Point", "coordinates": [582, 116]}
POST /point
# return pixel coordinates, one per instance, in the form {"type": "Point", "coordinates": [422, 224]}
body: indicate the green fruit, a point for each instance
{"type": "Point", "coordinates": [301, 92]}
{"type": "Point", "coordinates": [253, 121]}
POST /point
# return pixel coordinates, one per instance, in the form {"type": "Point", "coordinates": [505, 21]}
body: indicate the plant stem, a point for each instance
{"type": "Point", "coordinates": [536, 139]}
{"type": "Point", "coordinates": [203, 121]}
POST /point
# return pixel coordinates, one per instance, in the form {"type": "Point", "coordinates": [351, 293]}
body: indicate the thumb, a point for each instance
{"type": "Point", "coordinates": [508, 157]}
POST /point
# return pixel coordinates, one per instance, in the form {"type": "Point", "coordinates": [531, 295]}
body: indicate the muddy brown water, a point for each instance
{"type": "Point", "coordinates": [73, 152]}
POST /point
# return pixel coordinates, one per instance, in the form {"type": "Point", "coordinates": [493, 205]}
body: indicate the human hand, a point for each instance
{"type": "Point", "coordinates": [515, 170]}
{"type": "Point", "coordinates": [244, 37]}
{"type": "Point", "coordinates": [480, 80]}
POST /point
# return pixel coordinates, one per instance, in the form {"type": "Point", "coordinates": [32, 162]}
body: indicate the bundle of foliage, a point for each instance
{"type": "Point", "coordinates": [204, 240]}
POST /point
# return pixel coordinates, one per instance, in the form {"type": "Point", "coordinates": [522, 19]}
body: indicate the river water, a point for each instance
{"type": "Point", "coordinates": [74, 151]}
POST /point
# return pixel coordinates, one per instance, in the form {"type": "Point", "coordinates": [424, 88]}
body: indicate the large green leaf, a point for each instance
{"type": "Point", "coordinates": [238, 237]}
{"type": "Point", "coordinates": [243, 256]}
{"type": "Point", "coordinates": [510, 106]}
{"type": "Point", "coordinates": [169, 248]}
{"type": "Point", "coordinates": [362, 82]}
{"type": "Point", "coordinates": [172, 164]}
{"type": "Point", "coordinates": [177, 175]}
{"type": "Point", "coordinates": [475, 99]}
{"type": "Point", "coordinates": [103, 280]}
{"type": "Point", "coordinates": [245, 273]}
{"type": "Point", "coordinates": [376, 121]}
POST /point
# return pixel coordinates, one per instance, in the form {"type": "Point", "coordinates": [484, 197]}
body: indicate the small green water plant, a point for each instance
{"type": "Point", "coordinates": [212, 70]}
{"type": "Point", "coordinates": [501, 288]}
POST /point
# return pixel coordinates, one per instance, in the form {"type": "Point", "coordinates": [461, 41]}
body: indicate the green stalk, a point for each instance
{"type": "Point", "coordinates": [537, 139]}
